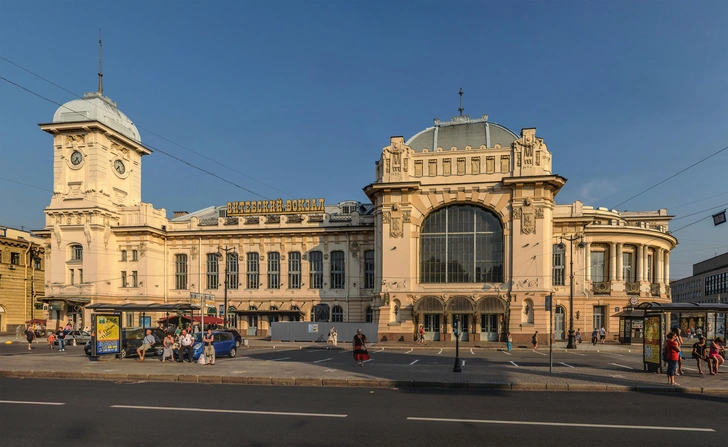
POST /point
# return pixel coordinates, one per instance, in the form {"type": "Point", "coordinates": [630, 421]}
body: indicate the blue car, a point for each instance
{"type": "Point", "coordinates": [223, 342]}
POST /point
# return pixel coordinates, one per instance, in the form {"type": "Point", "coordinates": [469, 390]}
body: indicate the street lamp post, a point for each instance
{"type": "Point", "coordinates": [225, 299]}
{"type": "Point", "coordinates": [572, 339]}
{"type": "Point", "coordinates": [456, 333]}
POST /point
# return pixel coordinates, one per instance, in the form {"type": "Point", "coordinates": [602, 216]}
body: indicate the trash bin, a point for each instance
{"type": "Point", "coordinates": [245, 342]}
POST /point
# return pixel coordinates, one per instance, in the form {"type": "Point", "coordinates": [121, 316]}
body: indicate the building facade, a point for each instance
{"type": "Point", "coordinates": [462, 225]}
{"type": "Point", "coordinates": [22, 277]}
{"type": "Point", "coordinates": [709, 283]}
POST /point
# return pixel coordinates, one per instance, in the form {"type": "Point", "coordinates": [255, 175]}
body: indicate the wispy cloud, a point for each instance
{"type": "Point", "coordinates": [595, 190]}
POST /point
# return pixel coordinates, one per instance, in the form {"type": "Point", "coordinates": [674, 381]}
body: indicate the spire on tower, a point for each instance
{"type": "Point", "coordinates": [460, 109]}
{"type": "Point", "coordinates": [101, 71]}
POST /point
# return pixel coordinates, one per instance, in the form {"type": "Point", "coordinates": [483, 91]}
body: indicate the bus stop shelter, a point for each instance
{"type": "Point", "coordinates": [659, 318]}
{"type": "Point", "coordinates": [179, 309]}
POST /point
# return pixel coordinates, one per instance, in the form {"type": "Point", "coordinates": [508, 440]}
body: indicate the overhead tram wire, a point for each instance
{"type": "Point", "coordinates": [150, 146]}
{"type": "Point", "coordinates": [154, 133]}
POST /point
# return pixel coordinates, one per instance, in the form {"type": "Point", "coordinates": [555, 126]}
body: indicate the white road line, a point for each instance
{"type": "Point", "coordinates": [414, 362]}
{"type": "Point", "coordinates": [463, 364]}
{"type": "Point", "coordinates": [411, 349]}
{"type": "Point", "coordinates": [324, 360]}
{"type": "Point", "coordinates": [616, 376]}
{"type": "Point", "coordinates": [471, 351]}
{"type": "Point", "coordinates": [213, 410]}
{"type": "Point", "coordinates": [539, 352]}
{"type": "Point", "coordinates": [368, 360]}
{"type": "Point", "coordinates": [440, 351]}
{"type": "Point", "coordinates": [278, 360]}
{"type": "Point", "coordinates": [345, 351]}
{"type": "Point", "coordinates": [566, 364]}
{"type": "Point", "coordinates": [27, 402]}
{"type": "Point", "coordinates": [621, 366]}
{"type": "Point", "coordinates": [575, 353]}
{"type": "Point", "coordinates": [506, 352]}
{"type": "Point", "coordinates": [514, 364]}
{"type": "Point", "coordinates": [618, 355]}
{"type": "Point", "coordinates": [381, 350]}
{"type": "Point", "coordinates": [563, 424]}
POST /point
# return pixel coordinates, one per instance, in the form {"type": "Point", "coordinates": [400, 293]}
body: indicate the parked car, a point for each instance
{"type": "Point", "coordinates": [223, 342]}
{"type": "Point", "coordinates": [238, 337]}
{"type": "Point", "coordinates": [80, 336]}
{"type": "Point", "coordinates": [131, 340]}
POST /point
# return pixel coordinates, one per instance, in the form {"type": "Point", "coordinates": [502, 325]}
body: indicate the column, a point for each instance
{"type": "Point", "coordinates": [587, 260]}
{"type": "Point", "coordinates": [612, 261]}
{"type": "Point", "coordinates": [638, 263]}
{"type": "Point", "coordinates": [620, 266]}
{"type": "Point", "coordinates": [667, 267]}
{"type": "Point", "coordinates": [659, 262]}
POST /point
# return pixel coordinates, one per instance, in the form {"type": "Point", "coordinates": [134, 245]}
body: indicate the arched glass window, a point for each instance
{"type": "Point", "coordinates": [337, 314]}
{"type": "Point", "coordinates": [76, 252]}
{"type": "Point", "coordinates": [370, 315]}
{"type": "Point", "coordinates": [461, 244]}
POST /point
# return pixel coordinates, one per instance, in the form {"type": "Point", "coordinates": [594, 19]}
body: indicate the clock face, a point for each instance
{"type": "Point", "coordinates": [76, 158]}
{"type": "Point", "coordinates": [119, 166]}
{"type": "Point", "coordinates": [634, 300]}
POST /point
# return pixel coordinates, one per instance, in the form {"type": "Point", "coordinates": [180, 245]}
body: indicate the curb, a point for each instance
{"type": "Point", "coordinates": [357, 383]}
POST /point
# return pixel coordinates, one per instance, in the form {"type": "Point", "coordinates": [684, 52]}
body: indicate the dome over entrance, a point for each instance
{"type": "Point", "coordinates": [462, 131]}
{"type": "Point", "coordinates": [97, 107]}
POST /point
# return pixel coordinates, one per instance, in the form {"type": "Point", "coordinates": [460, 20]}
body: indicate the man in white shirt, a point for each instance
{"type": "Point", "coordinates": [147, 343]}
{"type": "Point", "coordinates": [185, 345]}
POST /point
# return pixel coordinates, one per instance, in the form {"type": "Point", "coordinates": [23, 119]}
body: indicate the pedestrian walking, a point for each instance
{"type": "Point", "coordinates": [699, 354]}
{"type": "Point", "coordinates": [534, 340]}
{"type": "Point", "coordinates": [61, 336]}
{"type": "Point", "coordinates": [509, 342]}
{"type": "Point", "coordinates": [679, 340]}
{"type": "Point", "coordinates": [333, 336]}
{"type": "Point", "coordinates": [147, 343]}
{"type": "Point", "coordinates": [29, 335]}
{"type": "Point", "coordinates": [185, 345]}
{"type": "Point", "coordinates": [602, 335]}
{"type": "Point", "coordinates": [51, 340]}
{"type": "Point", "coordinates": [18, 331]}
{"type": "Point", "coordinates": [595, 334]}
{"type": "Point", "coordinates": [714, 356]}
{"type": "Point", "coordinates": [360, 348]}
{"type": "Point", "coordinates": [671, 355]}
{"type": "Point", "coordinates": [578, 336]}
{"type": "Point", "coordinates": [168, 344]}
{"type": "Point", "coordinates": [209, 348]}
{"type": "Point", "coordinates": [421, 335]}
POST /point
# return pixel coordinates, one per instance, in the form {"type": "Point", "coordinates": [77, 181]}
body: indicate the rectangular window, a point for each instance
{"type": "Point", "coordinates": [213, 278]}
{"type": "Point", "coordinates": [505, 163]}
{"type": "Point", "coordinates": [649, 268]}
{"type": "Point", "coordinates": [37, 263]}
{"type": "Point", "coordinates": [134, 278]}
{"type": "Point", "coordinates": [134, 255]}
{"type": "Point", "coordinates": [369, 269]}
{"type": "Point", "coordinates": [123, 255]}
{"type": "Point", "coordinates": [418, 168]}
{"type": "Point", "coordinates": [77, 253]}
{"type": "Point", "coordinates": [180, 272]}
{"type": "Point", "coordinates": [461, 166]}
{"type": "Point", "coordinates": [123, 280]}
{"type": "Point", "coordinates": [446, 166]}
{"type": "Point", "coordinates": [598, 266]}
{"type": "Point", "coordinates": [475, 165]}
{"type": "Point", "coordinates": [80, 276]}
{"type": "Point", "coordinates": [316, 267]}
{"type": "Point", "coordinates": [72, 276]}
{"type": "Point", "coordinates": [558, 266]}
{"type": "Point", "coordinates": [253, 270]}
{"type": "Point", "coordinates": [432, 168]}
{"type": "Point", "coordinates": [599, 312]}
{"type": "Point", "coordinates": [337, 270]}
{"type": "Point", "coordinates": [627, 270]}
{"type": "Point", "coordinates": [233, 275]}
{"type": "Point", "coordinates": [15, 258]}
{"type": "Point", "coordinates": [294, 270]}
{"type": "Point", "coordinates": [274, 270]}
{"type": "Point", "coordinates": [490, 165]}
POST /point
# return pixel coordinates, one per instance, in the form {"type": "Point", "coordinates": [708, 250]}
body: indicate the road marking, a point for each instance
{"type": "Point", "coordinates": [563, 424]}
{"type": "Point", "coordinates": [506, 352]}
{"type": "Point", "coordinates": [324, 360]}
{"type": "Point", "coordinates": [618, 355]}
{"type": "Point", "coordinates": [237, 372]}
{"type": "Point", "coordinates": [463, 364]}
{"type": "Point", "coordinates": [621, 366]}
{"type": "Point", "coordinates": [566, 364]}
{"type": "Point", "coordinates": [575, 353]}
{"type": "Point", "coordinates": [414, 362]}
{"type": "Point", "coordinates": [691, 369]}
{"type": "Point", "coordinates": [440, 351]}
{"type": "Point", "coordinates": [345, 351]}
{"type": "Point", "coordinates": [368, 360]}
{"type": "Point", "coordinates": [278, 360]}
{"type": "Point", "coordinates": [514, 364]}
{"type": "Point", "coordinates": [27, 402]}
{"type": "Point", "coordinates": [539, 352]}
{"type": "Point", "coordinates": [213, 410]}
{"type": "Point", "coordinates": [411, 349]}
{"type": "Point", "coordinates": [471, 351]}
{"type": "Point", "coordinates": [381, 350]}
{"type": "Point", "coordinates": [616, 376]}
{"type": "Point", "coordinates": [329, 370]}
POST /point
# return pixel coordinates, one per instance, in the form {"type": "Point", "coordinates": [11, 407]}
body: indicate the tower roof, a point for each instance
{"type": "Point", "coordinates": [97, 107]}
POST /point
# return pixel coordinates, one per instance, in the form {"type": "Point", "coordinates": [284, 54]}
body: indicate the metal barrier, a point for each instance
{"type": "Point", "coordinates": [319, 331]}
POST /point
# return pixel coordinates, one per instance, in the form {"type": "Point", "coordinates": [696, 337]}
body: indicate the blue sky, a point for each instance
{"type": "Point", "coordinates": [302, 95]}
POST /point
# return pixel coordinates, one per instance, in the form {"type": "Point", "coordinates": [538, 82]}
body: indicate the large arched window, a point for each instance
{"type": "Point", "coordinates": [461, 244]}
{"type": "Point", "coordinates": [337, 314]}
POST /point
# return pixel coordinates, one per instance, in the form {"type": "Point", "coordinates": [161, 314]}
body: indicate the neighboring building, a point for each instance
{"type": "Point", "coordinates": [462, 223]}
{"type": "Point", "coordinates": [709, 283]}
{"type": "Point", "coordinates": [21, 277]}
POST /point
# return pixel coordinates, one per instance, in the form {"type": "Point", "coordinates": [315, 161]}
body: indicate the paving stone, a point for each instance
{"type": "Point", "coordinates": [187, 378]}
{"type": "Point", "coordinates": [289, 381]}
{"type": "Point", "coordinates": [426, 384]}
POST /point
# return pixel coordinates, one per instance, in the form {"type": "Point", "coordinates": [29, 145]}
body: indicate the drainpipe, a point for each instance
{"type": "Point", "coordinates": [25, 283]}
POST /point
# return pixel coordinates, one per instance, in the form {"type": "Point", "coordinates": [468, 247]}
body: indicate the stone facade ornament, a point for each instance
{"type": "Point", "coordinates": [294, 218]}
{"type": "Point", "coordinates": [252, 220]}
{"type": "Point", "coordinates": [395, 228]}
{"type": "Point", "coordinates": [87, 232]}
{"type": "Point", "coordinates": [528, 223]}
{"type": "Point", "coordinates": [539, 212]}
{"type": "Point", "coordinates": [406, 216]}
{"type": "Point", "coordinates": [193, 253]}
{"type": "Point", "coordinates": [516, 213]}
{"type": "Point", "coordinates": [386, 217]}
{"type": "Point", "coordinates": [273, 219]}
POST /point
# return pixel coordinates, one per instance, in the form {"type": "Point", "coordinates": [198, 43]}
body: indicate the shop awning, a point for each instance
{"type": "Point", "coordinates": [137, 307]}
{"type": "Point", "coordinates": [37, 321]}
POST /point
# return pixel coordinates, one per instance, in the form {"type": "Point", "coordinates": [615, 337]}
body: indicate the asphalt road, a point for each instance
{"type": "Point", "coordinates": [79, 413]}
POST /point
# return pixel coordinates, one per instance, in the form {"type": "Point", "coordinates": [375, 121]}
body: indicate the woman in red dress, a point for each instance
{"type": "Point", "coordinates": [360, 348]}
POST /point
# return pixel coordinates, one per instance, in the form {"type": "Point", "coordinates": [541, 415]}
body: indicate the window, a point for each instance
{"type": "Point", "coordinates": [123, 255]}
{"type": "Point", "coordinates": [475, 165]}
{"type": "Point", "coordinates": [316, 266]}
{"type": "Point", "coordinates": [76, 253]}
{"type": "Point", "coordinates": [369, 269]}
{"type": "Point", "coordinates": [446, 166]}
{"type": "Point", "coordinates": [461, 166]}
{"type": "Point", "coordinates": [559, 263]}
{"type": "Point", "coordinates": [418, 168]}
{"type": "Point", "coordinates": [649, 268]}
{"type": "Point", "coordinates": [36, 262]}
{"type": "Point", "coordinates": [432, 168]}
{"type": "Point", "coordinates": [253, 265]}
{"type": "Point", "coordinates": [72, 277]}
{"type": "Point", "coordinates": [213, 279]}
{"type": "Point", "coordinates": [627, 270]}
{"type": "Point", "coordinates": [80, 276]}
{"type": "Point", "coordinates": [123, 279]}
{"type": "Point", "coordinates": [599, 316]}
{"type": "Point", "coordinates": [297, 316]}
{"type": "Point", "coordinates": [337, 270]}
{"type": "Point", "coordinates": [274, 270]}
{"type": "Point", "coordinates": [15, 258]}
{"type": "Point", "coordinates": [505, 163]}
{"type": "Point", "coordinates": [461, 244]}
{"type": "Point", "coordinates": [294, 270]}
{"type": "Point", "coordinates": [180, 272]}
{"type": "Point", "coordinates": [598, 266]}
{"type": "Point", "coordinates": [489, 165]}
{"type": "Point", "coordinates": [370, 315]}
{"type": "Point", "coordinates": [134, 279]}
{"type": "Point", "coordinates": [233, 274]}
{"type": "Point", "coordinates": [134, 255]}
{"type": "Point", "coordinates": [337, 314]}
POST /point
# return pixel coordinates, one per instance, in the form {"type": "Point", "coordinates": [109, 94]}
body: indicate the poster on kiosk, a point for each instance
{"type": "Point", "coordinates": [105, 334]}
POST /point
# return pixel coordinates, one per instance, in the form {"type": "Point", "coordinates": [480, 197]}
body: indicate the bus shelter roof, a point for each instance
{"type": "Point", "coordinates": [137, 307]}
